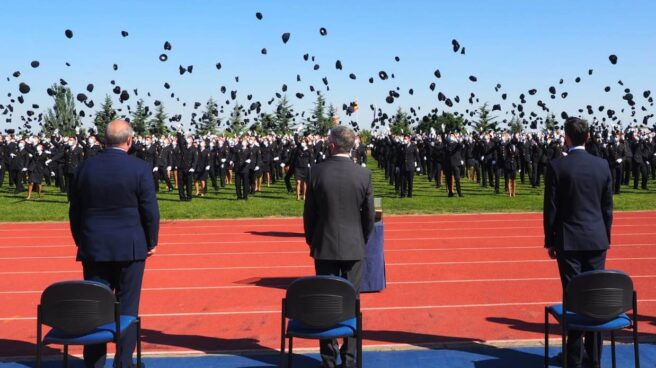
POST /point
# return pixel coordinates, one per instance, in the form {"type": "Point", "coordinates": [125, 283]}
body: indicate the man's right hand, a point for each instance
{"type": "Point", "coordinates": [151, 252]}
{"type": "Point", "coordinates": [552, 252]}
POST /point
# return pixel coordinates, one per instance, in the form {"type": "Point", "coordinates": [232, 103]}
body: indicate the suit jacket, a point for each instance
{"type": "Point", "coordinates": [114, 216]}
{"type": "Point", "coordinates": [339, 210]}
{"type": "Point", "coordinates": [578, 203]}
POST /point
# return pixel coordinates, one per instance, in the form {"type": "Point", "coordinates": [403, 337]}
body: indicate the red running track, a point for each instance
{"type": "Point", "coordinates": [216, 286]}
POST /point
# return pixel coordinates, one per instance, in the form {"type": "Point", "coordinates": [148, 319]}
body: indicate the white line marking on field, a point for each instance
{"type": "Point", "coordinates": [393, 264]}
{"type": "Point", "coordinates": [370, 309]}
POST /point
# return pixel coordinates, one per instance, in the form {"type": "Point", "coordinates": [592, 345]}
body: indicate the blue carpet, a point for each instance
{"type": "Point", "coordinates": [488, 357]}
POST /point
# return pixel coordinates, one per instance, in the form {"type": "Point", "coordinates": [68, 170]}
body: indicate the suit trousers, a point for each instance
{"type": "Point", "coordinates": [437, 172]}
{"type": "Point", "coordinates": [453, 174]}
{"type": "Point", "coordinates": [125, 279]}
{"type": "Point", "coordinates": [640, 171]}
{"type": "Point", "coordinates": [163, 175]}
{"type": "Point", "coordinates": [570, 264]}
{"type": "Point", "coordinates": [17, 178]}
{"type": "Point", "coordinates": [352, 271]}
{"type": "Point", "coordinates": [407, 180]}
{"type": "Point", "coordinates": [184, 186]}
{"type": "Point", "coordinates": [243, 184]}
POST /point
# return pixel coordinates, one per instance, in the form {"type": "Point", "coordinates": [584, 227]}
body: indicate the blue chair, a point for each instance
{"type": "Point", "coordinates": [320, 307]}
{"type": "Point", "coordinates": [595, 301]}
{"type": "Point", "coordinates": [82, 313]}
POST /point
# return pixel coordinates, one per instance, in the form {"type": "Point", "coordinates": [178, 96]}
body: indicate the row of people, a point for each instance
{"type": "Point", "coordinates": [487, 158]}
{"type": "Point", "coordinates": [180, 161]}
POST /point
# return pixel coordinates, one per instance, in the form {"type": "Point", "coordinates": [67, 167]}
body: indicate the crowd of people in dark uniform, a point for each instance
{"type": "Point", "coordinates": [491, 158]}
{"type": "Point", "coordinates": [191, 163]}
{"type": "Point", "coordinates": [181, 161]}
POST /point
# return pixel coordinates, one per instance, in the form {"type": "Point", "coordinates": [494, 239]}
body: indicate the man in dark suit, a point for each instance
{"type": "Point", "coordinates": [114, 218]}
{"type": "Point", "coordinates": [188, 165]}
{"type": "Point", "coordinates": [409, 163]}
{"type": "Point", "coordinates": [338, 218]}
{"type": "Point", "coordinates": [578, 212]}
{"type": "Point", "coordinates": [454, 162]}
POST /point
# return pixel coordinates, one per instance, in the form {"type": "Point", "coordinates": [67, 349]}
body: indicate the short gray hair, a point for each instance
{"type": "Point", "coordinates": [118, 132]}
{"type": "Point", "coordinates": [343, 138]}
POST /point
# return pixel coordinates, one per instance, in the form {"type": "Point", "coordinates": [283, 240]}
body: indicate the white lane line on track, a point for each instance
{"type": "Point", "coordinates": [300, 232]}
{"type": "Point", "coordinates": [426, 282]}
{"type": "Point", "coordinates": [366, 309]}
{"type": "Point", "coordinates": [194, 243]}
{"type": "Point", "coordinates": [389, 221]}
{"type": "Point", "coordinates": [392, 264]}
{"type": "Point", "coordinates": [210, 254]}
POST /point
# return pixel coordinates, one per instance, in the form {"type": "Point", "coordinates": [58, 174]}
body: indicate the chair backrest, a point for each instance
{"type": "Point", "coordinates": [600, 295]}
{"type": "Point", "coordinates": [320, 301]}
{"type": "Point", "coordinates": [77, 307]}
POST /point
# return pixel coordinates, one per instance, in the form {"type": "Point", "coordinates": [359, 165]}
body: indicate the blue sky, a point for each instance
{"type": "Point", "coordinates": [519, 44]}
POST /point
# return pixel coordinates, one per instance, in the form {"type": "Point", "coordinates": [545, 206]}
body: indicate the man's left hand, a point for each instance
{"type": "Point", "coordinates": [152, 251]}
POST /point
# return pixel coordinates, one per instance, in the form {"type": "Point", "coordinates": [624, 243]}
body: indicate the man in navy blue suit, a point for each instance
{"type": "Point", "coordinates": [114, 219]}
{"type": "Point", "coordinates": [578, 213]}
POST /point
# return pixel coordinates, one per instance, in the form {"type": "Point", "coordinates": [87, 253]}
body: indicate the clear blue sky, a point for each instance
{"type": "Point", "coordinates": [519, 44]}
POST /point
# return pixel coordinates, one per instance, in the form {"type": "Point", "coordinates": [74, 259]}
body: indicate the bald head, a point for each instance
{"type": "Point", "coordinates": [118, 134]}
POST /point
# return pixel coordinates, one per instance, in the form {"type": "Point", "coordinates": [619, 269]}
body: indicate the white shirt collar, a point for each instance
{"type": "Point", "coordinates": [576, 148]}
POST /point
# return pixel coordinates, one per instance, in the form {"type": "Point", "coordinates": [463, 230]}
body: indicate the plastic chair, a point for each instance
{"type": "Point", "coordinates": [595, 301]}
{"type": "Point", "coordinates": [82, 313]}
{"type": "Point", "coordinates": [320, 307]}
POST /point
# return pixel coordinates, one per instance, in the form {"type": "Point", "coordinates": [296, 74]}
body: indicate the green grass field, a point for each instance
{"type": "Point", "coordinates": [275, 202]}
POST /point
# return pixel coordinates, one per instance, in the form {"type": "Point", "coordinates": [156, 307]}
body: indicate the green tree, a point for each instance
{"type": "Point", "coordinates": [515, 125]}
{"type": "Point", "coordinates": [319, 122]}
{"type": "Point", "coordinates": [485, 122]}
{"type": "Point", "coordinates": [268, 123]}
{"type": "Point", "coordinates": [104, 116]}
{"type": "Point", "coordinates": [365, 136]}
{"type": "Point", "coordinates": [283, 116]}
{"type": "Point", "coordinates": [157, 125]}
{"type": "Point", "coordinates": [450, 122]}
{"type": "Point", "coordinates": [400, 123]}
{"type": "Point", "coordinates": [236, 120]}
{"type": "Point", "coordinates": [550, 123]}
{"type": "Point", "coordinates": [62, 115]}
{"type": "Point", "coordinates": [209, 122]}
{"type": "Point", "coordinates": [139, 117]}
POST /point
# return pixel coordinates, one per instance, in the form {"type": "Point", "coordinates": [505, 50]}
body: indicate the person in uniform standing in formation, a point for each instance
{"type": "Point", "coordinates": [483, 157]}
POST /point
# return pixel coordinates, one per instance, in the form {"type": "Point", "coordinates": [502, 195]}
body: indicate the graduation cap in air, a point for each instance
{"type": "Point", "coordinates": [382, 75]}
{"type": "Point", "coordinates": [323, 31]}
{"type": "Point", "coordinates": [437, 73]}
{"type": "Point", "coordinates": [473, 78]}
{"type": "Point", "coordinates": [35, 64]}
{"type": "Point", "coordinates": [613, 59]}
{"type": "Point", "coordinates": [456, 45]}
{"type": "Point", "coordinates": [264, 51]}
{"type": "Point", "coordinates": [285, 37]}
{"type": "Point", "coordinates": [167, 46]}
{"type": "Point", "coordinates": [124, 33]}
{"type": "Point", "coordinates": [68, 33]}
{"type": "Point", "coordinates": [163, 57]}
{"type": "Point", "coordinates": [352, 76]}
{"type": "Point", "coordinates": [258, 15]}
{"type": "Point", "coordinates": [24, 88]}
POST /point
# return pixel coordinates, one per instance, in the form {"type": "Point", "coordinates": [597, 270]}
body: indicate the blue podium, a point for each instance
{"type": "Point", "coordinates": [373, 267]}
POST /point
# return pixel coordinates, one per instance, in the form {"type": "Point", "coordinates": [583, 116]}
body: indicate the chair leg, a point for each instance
{"type": "Point", "coordinates": [360, 350]}
{"type": "Point", "coordinates": [546, 338]}
{"type": "Point", "coordinates": [65, 356]}
{"type": "Point", "coordinates": [564, 341]}
{"type": "Point", "coordinates": [282, 350]}
{"type": "Point", "coordinates": [595, 349]}
{"type": "Point", "coordinates": [290, 356]}
{"type": "Point", "coordinates": [138, 342]}
{"type": "Point", "coordinates": [636, 350]}
{"type": "Point", "coordinates": [612, 348]}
